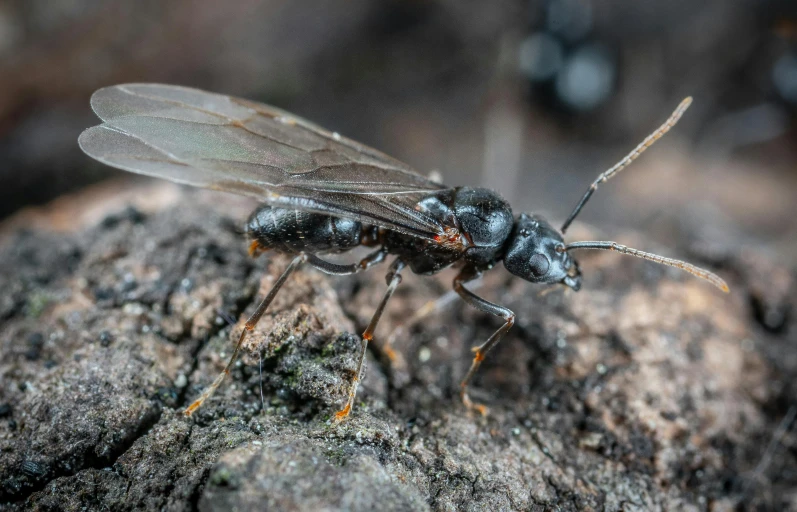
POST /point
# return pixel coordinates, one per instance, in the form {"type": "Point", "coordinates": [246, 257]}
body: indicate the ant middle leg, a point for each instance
{"type": "Point", "coordinates": [325, 266]}
{"type": "Point", "coordinates": [393, 279]}
{"type": "Point", "coordinates": [468, 274]}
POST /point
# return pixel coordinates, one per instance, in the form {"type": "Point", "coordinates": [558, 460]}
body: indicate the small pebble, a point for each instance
{"type": "Point", "coordinates": [424, 354]}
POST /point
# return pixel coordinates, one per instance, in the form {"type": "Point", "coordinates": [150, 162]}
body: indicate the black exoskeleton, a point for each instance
{"type": "Point", "coordinates": [324, 193]}
{"type": "Point", "coordinates": [486, 233]}
{"type": "Point", "coordinates": [530, 247]}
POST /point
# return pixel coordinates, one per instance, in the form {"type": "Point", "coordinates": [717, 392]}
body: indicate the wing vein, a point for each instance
{"type": "Point", "coordinates": [256, 150]}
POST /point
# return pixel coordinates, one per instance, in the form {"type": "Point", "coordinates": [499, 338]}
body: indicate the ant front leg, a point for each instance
{"type": "Point", "coordinates": [393, 279]}
{"type": "Point", "coordinates": [398, 365]}
{"type": "Point", "coordinates": [469, 274]}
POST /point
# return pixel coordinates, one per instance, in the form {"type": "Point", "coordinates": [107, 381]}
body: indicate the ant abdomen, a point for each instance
{"type": "Point", "coordinates": [290, 230]}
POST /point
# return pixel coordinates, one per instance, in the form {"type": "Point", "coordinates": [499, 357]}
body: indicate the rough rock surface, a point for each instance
{"type": "Point", "coordinates": [647, 390]}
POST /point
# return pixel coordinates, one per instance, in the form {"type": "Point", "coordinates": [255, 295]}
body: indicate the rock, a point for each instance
{"type": "Point", "coordinates": [647, 390]}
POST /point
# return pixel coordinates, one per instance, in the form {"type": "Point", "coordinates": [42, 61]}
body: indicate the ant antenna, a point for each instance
{"type": "Point", "coordinates": [630, 157]}
{"type": "Point", "coordinates": [688, 267]}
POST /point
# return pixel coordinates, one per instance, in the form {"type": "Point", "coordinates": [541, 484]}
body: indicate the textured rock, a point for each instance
{"type": "Point", "coordinates": [646, 390]}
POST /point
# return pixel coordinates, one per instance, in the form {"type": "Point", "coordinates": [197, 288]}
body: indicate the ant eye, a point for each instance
{"type": "Point", "coordinates": [539, 265]}
{"type": "Point", "coordinates": [524, 232]}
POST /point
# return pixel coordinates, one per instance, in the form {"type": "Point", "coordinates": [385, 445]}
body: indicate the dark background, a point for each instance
{"type": "Point", "coordinates": [533, 99]}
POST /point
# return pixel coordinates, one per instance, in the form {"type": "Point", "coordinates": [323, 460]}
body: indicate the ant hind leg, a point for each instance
{"type": "Point", "coordinates": [330, 268]}
{"type": "Point", "coordinates": [250, 325]}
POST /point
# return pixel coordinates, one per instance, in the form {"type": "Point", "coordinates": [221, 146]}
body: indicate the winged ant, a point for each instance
{"type": "Point", "coordinates": [323, 193]}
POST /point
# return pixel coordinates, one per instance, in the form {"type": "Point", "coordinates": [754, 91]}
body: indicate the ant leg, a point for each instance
{"type": "Point", "coordinates": [336, 269]}
{"type": "Point", "coordinates": [431, 307]}
{"type": "Point", "coordinates": [393, 279]}
{"type": "Point", "coordinates": [399, 371]}
{"type": "Point", "coordinates": [481, 351]}
{"type": "Point", "coordinates": [325, 266]}
{"type": "Point", "coordinates": [250, 325]}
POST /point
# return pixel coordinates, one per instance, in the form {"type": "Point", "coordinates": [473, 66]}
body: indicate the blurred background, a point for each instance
{"type": "Point", "coordinates": [532, 98]}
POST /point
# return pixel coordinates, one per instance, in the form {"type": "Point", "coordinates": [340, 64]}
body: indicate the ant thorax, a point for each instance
{"type": "Point", "coordinates": [478, 222]}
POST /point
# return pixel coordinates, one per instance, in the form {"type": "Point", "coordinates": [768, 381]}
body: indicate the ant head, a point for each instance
{"type": "Point", "coordinates": [537, 253]}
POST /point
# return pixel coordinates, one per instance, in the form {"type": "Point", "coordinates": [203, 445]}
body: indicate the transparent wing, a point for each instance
{"type": "Point", "coordinates": [235, 145]}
